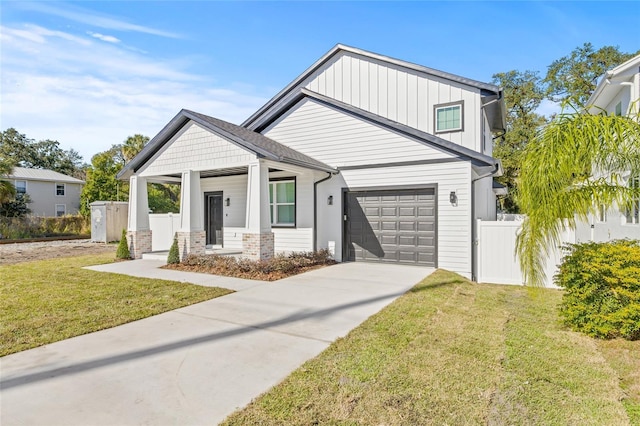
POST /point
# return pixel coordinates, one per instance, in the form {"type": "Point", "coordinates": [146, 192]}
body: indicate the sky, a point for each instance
{"type": "Point", "coordinates": [89, 74]}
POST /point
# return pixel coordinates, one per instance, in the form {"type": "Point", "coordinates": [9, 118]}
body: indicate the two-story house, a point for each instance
{"type": "Point", "coordinates": [617, 92]}
{"type": "Point", "coordinates": [51, 193]}
{"type": "Point", "coordinates": [374, 158]}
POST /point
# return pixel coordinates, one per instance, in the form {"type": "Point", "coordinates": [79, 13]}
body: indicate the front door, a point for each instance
{"type": "Point", "coordinates": [213, 217]}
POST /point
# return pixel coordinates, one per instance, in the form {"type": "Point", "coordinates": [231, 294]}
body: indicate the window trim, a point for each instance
{"type": "Point", "coordinates": [436, 107]}
{"type": "Point", "coordinates": [295, 202]}
{"type": "Point", "coordinates": [64, 189]}
{"type": "Point", "coordinates": [633, 210]}
{"type": "Point", "coordinates": [601, 216]}
{"type": "Point", "coordinates": [15, 185]}
{"type": "Point", "coordinates": [65, 209]}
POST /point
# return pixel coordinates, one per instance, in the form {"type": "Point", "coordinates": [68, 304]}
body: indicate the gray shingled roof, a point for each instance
{"type": "Point", "coordinates": [240, 136]}
{"type": "Point", "coordinates": [41, 174]}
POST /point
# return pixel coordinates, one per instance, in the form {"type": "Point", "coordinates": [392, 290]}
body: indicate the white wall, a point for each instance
{"type": "Point", "coordinates": [234, 188]}
{"type": "Point", "coordinates": [163, 228]}
{"type": "Point", "coordinates": [497, 260]}
{"type": "Point", "coordinates": [44, 199]}
{"type": "Point", "coordinates": [195, 148]}
{"type": "Point", "coordinates": [454, 222]}
{"type": "Point", "coordinates": [339, 139]}
{"type": "Point", "coordinates": [398, 94]}
{"type": "Point", "coordinates": [485, 199]}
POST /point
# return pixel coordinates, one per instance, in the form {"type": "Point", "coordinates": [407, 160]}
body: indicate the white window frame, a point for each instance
{"type": "Point", "coordinates": [15, 184]}
{"type": "Point", "coordinates": [438, 107]}
{"type": "Point", "coordinates": [64, 207]}
{"type": "Point", "coordinates": [64, 189]}
{"type": "Point", "coordinates": [601, 216]}
{"type": "Point", "coordinates": [273, 204]}
{"type": "Point", "coordinates": [632, 212]}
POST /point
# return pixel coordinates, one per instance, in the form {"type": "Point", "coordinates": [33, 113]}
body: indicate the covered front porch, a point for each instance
{"type": "Point", "coordinates": [254, 211]}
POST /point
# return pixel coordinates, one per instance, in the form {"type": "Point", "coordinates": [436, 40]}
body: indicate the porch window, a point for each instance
{"type": "Point", "coordinates": [282, 200]}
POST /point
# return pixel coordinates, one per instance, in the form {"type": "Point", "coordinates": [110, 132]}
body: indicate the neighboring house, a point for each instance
{"type": "Point", "coordinates": [618, 92]}
{"type": "Point", "coordinates": [51, 193]}
{"type": "Point", "coordinates": [374, 158]}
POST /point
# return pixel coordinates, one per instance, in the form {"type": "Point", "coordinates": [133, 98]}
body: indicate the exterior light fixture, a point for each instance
{"type": "Point", "coordinates": [330, 200]}
{"type": "Point", "coordinates": [227, 202]}
{"type": "Point", "coordinates": [453, 198]}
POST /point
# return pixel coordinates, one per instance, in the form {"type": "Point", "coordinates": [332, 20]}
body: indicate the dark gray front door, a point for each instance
{"type": "Point", "coordinates": [391, 226]}
{"type": "Point", "coordinates": [213, 217]}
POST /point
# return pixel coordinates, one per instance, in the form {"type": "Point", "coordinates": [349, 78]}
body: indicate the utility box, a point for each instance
{"type": "Point", "coordinates": [108, 219]}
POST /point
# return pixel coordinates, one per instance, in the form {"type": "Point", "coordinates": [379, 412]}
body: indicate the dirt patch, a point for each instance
{"type": "Point", "coordinates": [27, 252]}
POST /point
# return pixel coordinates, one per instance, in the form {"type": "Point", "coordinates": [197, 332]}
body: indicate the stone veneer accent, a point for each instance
{"type": "Point", "coordinates": [258, 246]}
{"type": "Point", "coordinates": [191, 243]}
{"type": "Point", "coordinates": [139, 242]}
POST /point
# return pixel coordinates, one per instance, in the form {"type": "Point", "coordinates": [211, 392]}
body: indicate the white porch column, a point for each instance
{"type": "Point", "coordinates": [138, 232]}
{"type": "Point", "coordinates": [191, 236]}
{"type": "Point", "coordinates": [257, 242]}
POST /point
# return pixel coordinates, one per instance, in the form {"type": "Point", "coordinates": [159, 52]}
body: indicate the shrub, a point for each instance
{"type": "Point", "coordinates": [34, 226]}
{"type": "Point", "coordinates": [174, 252]}
{"type": "Point", "coordinates": [123, 247]}
{"type": "Point", "coordinates": [279, 266]}
{"type": "Point", "coordinates": [602, 283]}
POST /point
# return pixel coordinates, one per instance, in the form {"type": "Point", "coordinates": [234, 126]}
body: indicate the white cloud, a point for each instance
{"type": "Point", "coordinates": [89, 95]}
{"type": "Point", "coordinates": [107, 38]}
{"type": "Point", "coordinates": [91, 18]}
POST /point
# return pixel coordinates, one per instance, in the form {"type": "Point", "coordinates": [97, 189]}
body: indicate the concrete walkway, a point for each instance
{"type": "Point", "coordinates": [197, 364]}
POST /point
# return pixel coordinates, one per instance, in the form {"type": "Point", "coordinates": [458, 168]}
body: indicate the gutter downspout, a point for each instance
{"type": "Point", "coordinates": [315, 209]}
{"type": "Point", "coordinates": [474, 246]}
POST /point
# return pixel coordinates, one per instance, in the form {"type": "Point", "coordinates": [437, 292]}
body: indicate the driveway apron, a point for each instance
{"type": "Point", "coordinates": [198, 364]}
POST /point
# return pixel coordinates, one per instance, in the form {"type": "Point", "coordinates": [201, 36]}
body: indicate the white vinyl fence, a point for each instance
{"type": "Point", "coordinates": [163, 227]}
{"type": "Point", "coordinates": [497, 261]}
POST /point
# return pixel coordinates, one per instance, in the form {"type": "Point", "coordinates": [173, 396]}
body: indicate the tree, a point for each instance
{"type": "Point", "coordinates": [523, 93]}
{"type": "Point", "coordinates": [45, 154]}
{"type": "Point", "coordinates": [102, 184]}
{"type": "Point", "coordinates": [572, 79]}
{"type": "Point", "coordinates": [16, 207]}
{"type": "Point", "coordinates": [7, 190]}
{"type": "Point", "coordinates": [133, 145]}
{"type": "Point", "coordinates": [578, 161]}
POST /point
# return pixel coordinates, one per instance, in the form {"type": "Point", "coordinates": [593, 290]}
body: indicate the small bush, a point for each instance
{"type": "Point", "coordinates": [280, 266]}
{"type": "Point", "coordinates": [123, 247]}
{"type": "Point", "coordinates": [35, 226]}
{"type": "Point", "coordinates": [174, 252]}
{"type": "Point", "coordinates": [602, 283]}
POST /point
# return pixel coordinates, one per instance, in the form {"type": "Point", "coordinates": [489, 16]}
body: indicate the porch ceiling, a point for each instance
{"type": "Point", "coordinates": [230, 171]}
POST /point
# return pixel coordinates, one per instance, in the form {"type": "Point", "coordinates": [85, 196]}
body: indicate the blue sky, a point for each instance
{"type": "Point", "coordinates": [88, 74]}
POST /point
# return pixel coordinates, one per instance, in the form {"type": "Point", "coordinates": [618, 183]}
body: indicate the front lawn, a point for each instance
{"type": "Point", "coordinates": [453, 352]}
{"type": "Point", "coordinates": [45, 301]}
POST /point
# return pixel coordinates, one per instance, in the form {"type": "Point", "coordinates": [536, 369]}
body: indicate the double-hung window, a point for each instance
{"type": "Point", "coordinates": [449, 117]}
{"type": "Point", "coordinates": [61, 210]}
{"type": "Point", "coordinates": [60, 189]}
{"type": "Point", "coordinates": [282, 200]}
{"type": "Point", "coordinates": [21, 187]}
{"type": "Point", "coordinates": [633, 210]}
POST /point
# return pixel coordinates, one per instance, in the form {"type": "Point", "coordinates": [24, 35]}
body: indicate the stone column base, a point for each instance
{"type": "Point", "coordinates": [191, 243]}
{"type": "Point", "coordinates": [139, 242]}
{"type": "Point", "coordinates": [258, 246]}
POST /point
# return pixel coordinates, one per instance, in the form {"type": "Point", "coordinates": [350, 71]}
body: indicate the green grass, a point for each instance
{"type": "Point", "coordinates": [45, 301]}
{"type": "Point", "coordinates": [450, 352]}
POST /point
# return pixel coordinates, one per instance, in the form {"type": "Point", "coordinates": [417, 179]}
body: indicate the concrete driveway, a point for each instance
{"type": "Point", "coordinates": [198, 364]}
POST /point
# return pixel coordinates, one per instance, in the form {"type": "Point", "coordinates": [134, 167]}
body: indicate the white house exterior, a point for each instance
{"type": "Point", "coordinates": [51, 193]}
{"type": "Point", "coordinates": [374, 158]}
{"type": "Point", "coordinates": [618, 92]}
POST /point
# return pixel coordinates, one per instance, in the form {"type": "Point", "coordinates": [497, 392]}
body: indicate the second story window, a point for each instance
{"type": "Point", "coordinates": [60, 189]}
{"type": "Point", "coordinates": [21, 187]}
{"type": "Point", "coordinates": [449, 117]}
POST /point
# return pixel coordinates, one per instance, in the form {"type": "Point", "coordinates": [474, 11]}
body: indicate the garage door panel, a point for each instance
{"type": "Point", "coordinates": [392, 226]}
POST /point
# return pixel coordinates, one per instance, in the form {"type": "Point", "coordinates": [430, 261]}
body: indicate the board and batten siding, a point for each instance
{"type": "Point", "coordinates": [454, 222]}
{"type": "Point", "coordinates": [339, 139]}
{"type": "Point", "coordinates": [399, 94]}
{"type": "Point", "coordinates": [195, 148]}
